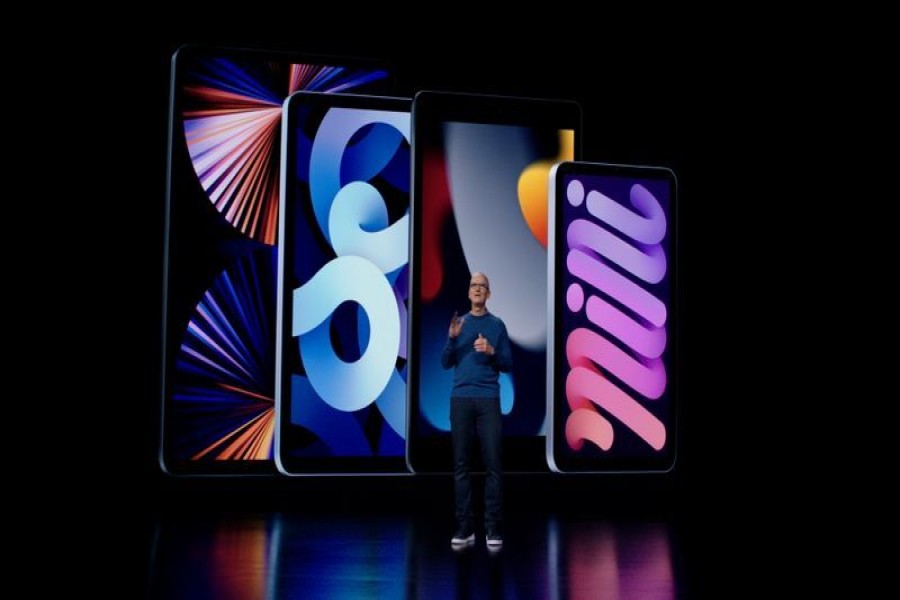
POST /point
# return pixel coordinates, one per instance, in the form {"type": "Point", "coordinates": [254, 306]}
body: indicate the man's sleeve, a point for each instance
{"type": "Point", "coordinates": [503, 351]}
{"type": "Point", "coordinates": [448, 356]}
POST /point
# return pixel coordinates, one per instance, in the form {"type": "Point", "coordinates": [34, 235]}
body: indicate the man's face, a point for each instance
{"type": "Point", "coordinates": [478, 289]}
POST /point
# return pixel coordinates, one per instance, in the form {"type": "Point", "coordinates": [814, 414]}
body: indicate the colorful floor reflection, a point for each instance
{"type": "Point", "coordinates": [287, 556]}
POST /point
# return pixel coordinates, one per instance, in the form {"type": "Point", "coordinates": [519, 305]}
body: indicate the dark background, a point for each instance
{"type": "Point", "coordinates": [647, 98]}
{"type": "Point", "coordinates": [636, 110]}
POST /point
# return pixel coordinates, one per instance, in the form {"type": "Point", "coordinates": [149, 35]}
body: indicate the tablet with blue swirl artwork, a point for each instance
{"type": "Point", "coordinates": [343, 285]}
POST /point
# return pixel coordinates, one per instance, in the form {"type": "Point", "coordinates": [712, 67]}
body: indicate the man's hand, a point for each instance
{"type": "Point", "coordinates": [456, 325]}
{"type": "Point", "coordinates": [482, 345]}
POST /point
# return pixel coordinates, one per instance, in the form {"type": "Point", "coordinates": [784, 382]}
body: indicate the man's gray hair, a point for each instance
{"type": "Point", "coordinates": [486, 280]}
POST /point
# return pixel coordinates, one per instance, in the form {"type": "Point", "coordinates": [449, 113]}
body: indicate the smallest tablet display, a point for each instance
{"type": "Point", "coordinates": [343, 271]}
{"type": "Point", "coordinates": [611, 366]}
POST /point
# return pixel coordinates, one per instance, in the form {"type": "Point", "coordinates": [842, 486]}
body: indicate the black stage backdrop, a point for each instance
{"type": "Point", "coordinates": [647, 98]}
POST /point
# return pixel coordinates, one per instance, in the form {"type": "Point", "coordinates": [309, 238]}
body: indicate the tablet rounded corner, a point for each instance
{"type": "Point", "coordinates": [182, 49]}
{"type": "Point", "coordinates": [551, 459]}
{"type": "Point", "coordinates": [279, 465]}
{"type": "Point", "coordinates": [163, 466]}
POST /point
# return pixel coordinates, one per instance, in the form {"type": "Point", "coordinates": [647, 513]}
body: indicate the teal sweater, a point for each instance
{"type": "Point", "coordinates": [477, 374]}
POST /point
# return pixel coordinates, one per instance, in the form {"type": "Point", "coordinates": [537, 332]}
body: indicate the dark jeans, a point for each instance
{"type": "Point", "coordinates": [470, 417]}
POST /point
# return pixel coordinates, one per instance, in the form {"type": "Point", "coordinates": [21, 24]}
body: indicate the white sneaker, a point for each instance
{"type": "Point", "coordinates": [462, 537]}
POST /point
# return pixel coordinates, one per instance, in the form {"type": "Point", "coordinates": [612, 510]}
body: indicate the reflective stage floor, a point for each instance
{"type": "Point", "coordinates": [289, 555]}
